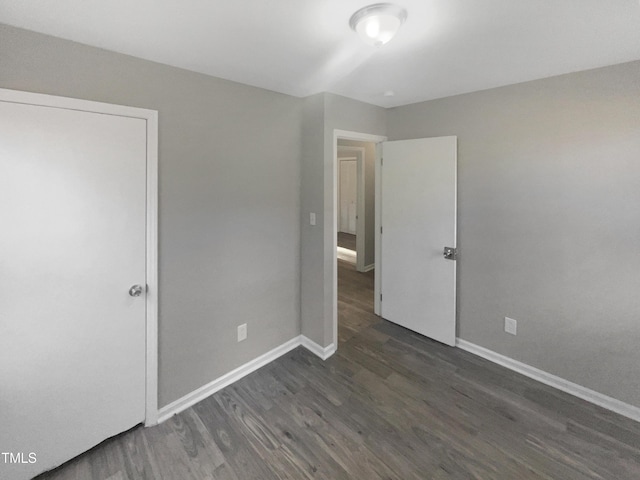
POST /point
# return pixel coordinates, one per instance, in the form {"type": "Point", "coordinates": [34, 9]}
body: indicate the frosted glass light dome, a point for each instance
{"type": "Point", "coordinates": [377, 24]}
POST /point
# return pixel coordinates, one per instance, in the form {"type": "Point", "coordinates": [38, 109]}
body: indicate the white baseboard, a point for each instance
{"type": "Point", "coordinates": [313, 347]}
{"type": "Point", "coordinates": [210, 388]}
{"type": "Point", "coordinates": [218, 384]}
{"type": "Point", "coordinates": [370, 267]}
{"type": "Point", "coordinates": [574, 389]}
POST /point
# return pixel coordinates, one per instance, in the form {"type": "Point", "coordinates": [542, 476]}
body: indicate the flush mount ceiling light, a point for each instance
{"type": "Point", "coordinates": [377, 24]}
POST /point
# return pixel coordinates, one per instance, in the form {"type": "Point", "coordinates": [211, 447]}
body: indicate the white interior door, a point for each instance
{"type": "Point", "coordinates": [348, 195]}
{"type": "Point", "coordinates": [72, 341]}
{"type": "Point", "coordinates": [418, 218]}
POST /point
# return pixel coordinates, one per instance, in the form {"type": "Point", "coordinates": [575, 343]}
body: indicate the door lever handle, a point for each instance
{"type": "Point", "coordinates": [450, 253]}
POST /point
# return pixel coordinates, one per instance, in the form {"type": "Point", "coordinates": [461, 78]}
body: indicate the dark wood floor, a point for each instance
{"type": "Point", "coordinates": [347, 240]}
{"type": "Point", "coordinates": [389, 404]}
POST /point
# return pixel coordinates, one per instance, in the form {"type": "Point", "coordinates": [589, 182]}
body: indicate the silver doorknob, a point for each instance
{"type": "Point", "coordinates": [136, 290]}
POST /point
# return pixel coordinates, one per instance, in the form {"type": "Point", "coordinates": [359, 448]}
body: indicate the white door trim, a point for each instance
{"type": "Point", "coordinates": [377, 279]}
{"type": "Point", "coordinates": [151, 118]}
{"type": "Point", "coordinates": [361, 222]}
{"type": "Point", "coordinates": [360, 137]}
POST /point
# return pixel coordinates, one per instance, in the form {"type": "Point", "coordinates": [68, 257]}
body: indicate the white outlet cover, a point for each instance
{"type": "Point", "coordinates": [242, 332]}
{"type": "Point", "coordinates": [510, 326]}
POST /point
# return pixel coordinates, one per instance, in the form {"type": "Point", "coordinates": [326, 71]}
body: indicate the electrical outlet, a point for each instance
{"type": "Point", "coordinates": [510, 326]}
{"type": "Point", "coordinates": [242, 332]}
{"type": "Point", "coordinates": [312, 218]}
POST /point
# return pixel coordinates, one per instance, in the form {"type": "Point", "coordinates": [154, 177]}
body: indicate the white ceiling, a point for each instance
{"type": "Point", "coordinates": [302, 47]}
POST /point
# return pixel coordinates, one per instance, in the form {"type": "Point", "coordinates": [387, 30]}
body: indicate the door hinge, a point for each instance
{"type": "Point", "coordinates": [380, 297]}
{"type": "Point", "coordinates": [381, 161]}
{"type": "Point", "coordinates": [380, 230]}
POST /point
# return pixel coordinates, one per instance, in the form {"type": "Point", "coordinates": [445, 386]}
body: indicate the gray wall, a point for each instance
{"type": "Point", "coordinates": [369, 164]}
{"type": "Point", "coordinates": [549, 220]}
{"type": "Point", "coordinates": [329, 112]}
{"type": "Point", "coordinates": [229, 198]}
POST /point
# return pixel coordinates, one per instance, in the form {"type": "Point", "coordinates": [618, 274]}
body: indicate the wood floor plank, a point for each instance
{"type": "Point", "coordinates": [139, 462]}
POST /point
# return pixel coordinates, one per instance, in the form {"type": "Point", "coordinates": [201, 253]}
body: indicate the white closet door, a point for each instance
{"type": "Point", "coordinates": [348, 195]}
{"type": "Point", "coordinates": [72, 339]}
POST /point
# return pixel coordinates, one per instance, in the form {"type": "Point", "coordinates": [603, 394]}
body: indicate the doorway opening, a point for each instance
{"type": "Point", "coordinates": [355, 165]}
{"type": "Point", "coordinates": [418, 190]}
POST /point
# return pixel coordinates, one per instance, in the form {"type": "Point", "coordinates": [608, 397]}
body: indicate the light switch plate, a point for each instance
{"type": "Point", "coordinates": [312, 218]}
